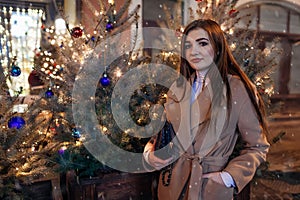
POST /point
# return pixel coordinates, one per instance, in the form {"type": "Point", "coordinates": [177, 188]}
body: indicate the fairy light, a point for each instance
{"type": "Point", "coordinates": [267, 51]}
{"type": "Point", "coordinates": [233, 46]}
{"type": "Point", "coordinates": [60, 26]}
{"type": "Point", "coordinates": [104, 129]}
{"type": "Point", "coordinates": [118, 72]}
{"type": "Point", "coordinates": [78, 143]}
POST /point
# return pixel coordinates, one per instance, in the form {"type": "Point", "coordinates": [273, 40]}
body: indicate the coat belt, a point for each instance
{"type": "Point", "coordinates": [195, 181]}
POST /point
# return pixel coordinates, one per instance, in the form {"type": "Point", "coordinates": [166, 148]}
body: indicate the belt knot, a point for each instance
{"type": "Point", "coordinates": [194, 157]}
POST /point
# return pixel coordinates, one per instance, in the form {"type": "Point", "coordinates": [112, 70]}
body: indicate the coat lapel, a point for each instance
{"type": "Point", "coordinates": [178, 112]}
{"type": "Point", "coordinates": [187, 118]}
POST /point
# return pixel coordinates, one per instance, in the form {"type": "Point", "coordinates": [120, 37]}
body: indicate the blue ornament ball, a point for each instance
{"type": "Point", "coordinates": [49, 93]}
{"type": "Point", "coordinates": [16, 122]}
{"type": "Point", "coordinates": [105, 80]}
{"type": "Point", "coordinates": [15, 71]}
{"type": "Point", "coordinates": [246, 62]}
{"type": "Point", "coordinates": [75, 133]}
{"type": "Point", "coordinates": [109, 26]}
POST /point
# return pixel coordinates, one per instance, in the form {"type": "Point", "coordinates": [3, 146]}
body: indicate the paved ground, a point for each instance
{"type": "Point", "coordinates": [282, 179]}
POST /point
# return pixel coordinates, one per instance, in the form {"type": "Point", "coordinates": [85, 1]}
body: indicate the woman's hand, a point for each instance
{"type": "Point", "coordinates": [157, 162]}
{"type": "Point", "coordinates": [153, 160]}
{"type": "Point", "coordinates": [215, 176]}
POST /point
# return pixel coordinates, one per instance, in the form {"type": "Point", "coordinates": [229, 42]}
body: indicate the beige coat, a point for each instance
{"type": "Point", "coordinates": [213, 143]}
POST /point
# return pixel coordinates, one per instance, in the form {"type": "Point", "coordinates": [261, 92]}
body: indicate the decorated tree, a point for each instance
{"type": "Point", "coordinates": [39, 136]}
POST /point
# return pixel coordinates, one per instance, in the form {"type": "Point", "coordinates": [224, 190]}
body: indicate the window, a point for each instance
{"type": "Point", "coordinates": [273, 18]}
{"type": "Point", "coordinates": [20, 35]}
{"type": "Point", "coordinates": [295, 23]}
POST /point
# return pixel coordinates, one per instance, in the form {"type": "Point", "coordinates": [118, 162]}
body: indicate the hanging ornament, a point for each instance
{"type": "Point", "coordinates": [76, 32]}
{"type": "Point", "coordinates": [75, 133]}
{"type": "Point", "coordinates": [16, 122]}
{"type": "Point", "coordinates": [43, 27]}
{"type": "Point", "coordinates": [246, 62]}
{"type": "Point", "coordinates": [109, 26]}
{"type": "Point", "coordinates": [62, 150]}
{"type": "Point", "coordinates": [34, 79]}
{"type": "Point", "coordinates": [178, 32]}
{"type": "Point", "coordinates": [15, 71]}
{"type": "Point", "coordinates": [104, 80]}
{"type": "Point", "coordinates": [232, 13]}
{"type": "Point", "coordinates": [49, 93]}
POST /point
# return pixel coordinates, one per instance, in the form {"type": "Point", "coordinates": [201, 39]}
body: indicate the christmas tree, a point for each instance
{"type": "Point", "coordinates": [42, 139]}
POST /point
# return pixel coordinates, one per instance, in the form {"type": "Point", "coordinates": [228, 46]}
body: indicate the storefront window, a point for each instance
{"type": "Point", "coordinates": [273, 18]}
{"type": "Point", "coordinates": [295, 23]}
{"type": "Point", "coordinates": [20, 36]}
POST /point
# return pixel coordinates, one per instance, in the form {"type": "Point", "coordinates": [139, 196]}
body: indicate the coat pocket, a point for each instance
{"type": "Point", "coordinates": [212, 190]}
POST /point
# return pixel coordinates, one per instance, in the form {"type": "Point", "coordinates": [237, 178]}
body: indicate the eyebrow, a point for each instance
{"type": "Point", "coordinates": [199, 39]}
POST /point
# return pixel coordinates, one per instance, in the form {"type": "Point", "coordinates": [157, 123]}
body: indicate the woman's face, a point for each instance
{"type": "Point", "coordinates": [198, 49]}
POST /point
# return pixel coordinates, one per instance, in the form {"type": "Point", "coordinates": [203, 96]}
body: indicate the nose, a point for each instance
{"type": "Point", "coordinates": [195, 50]}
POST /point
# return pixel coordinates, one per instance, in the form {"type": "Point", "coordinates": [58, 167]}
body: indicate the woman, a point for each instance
{"type": "Point", "coordinates": [225, 108]}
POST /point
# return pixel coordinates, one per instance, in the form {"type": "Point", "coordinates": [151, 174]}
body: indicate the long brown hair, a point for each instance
{"type": "Point", "coordinates": [225, 63]}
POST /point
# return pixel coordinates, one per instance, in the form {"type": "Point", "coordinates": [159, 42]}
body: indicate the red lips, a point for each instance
{"type": "Point", "coordinates": [196, 60]}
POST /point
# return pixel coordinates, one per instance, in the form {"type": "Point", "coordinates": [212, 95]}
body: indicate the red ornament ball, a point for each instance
{"type": "Point", "coordinates": [76, 32]}
{"type": "Point", "coordinates": [34, 79]}
{"type": "Point", "coordinates": [232, 13]}
{"type": "Point", "coordinates": [178, 32]}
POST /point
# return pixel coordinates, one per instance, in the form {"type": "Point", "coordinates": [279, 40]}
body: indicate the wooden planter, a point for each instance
{"type": "Point", "coordinates": [120, 186]}
{"type": "Point", "coordinates": [47, 188]}
{"type": "Point", "coordinates": [39, 191]}
{"type": "Point", "coordinates": [113, 186]}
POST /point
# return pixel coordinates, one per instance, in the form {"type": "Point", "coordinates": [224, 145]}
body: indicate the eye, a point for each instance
{"type": "Point", "coordinates": [187, 45]}
{"type": "Point", "coordinates": [203, 43]}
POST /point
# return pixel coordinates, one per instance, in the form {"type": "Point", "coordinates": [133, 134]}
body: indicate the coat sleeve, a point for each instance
{"type": "Point", "coordinates": [243, 167]}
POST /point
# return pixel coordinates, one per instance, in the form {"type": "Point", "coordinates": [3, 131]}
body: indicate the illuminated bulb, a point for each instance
{"type": "Point", "coordinates": [118, 73]}
{"type": "Point", "coordinates": [233, 46]}
{"type": "Point", "coordinates": [77, 143]}
{"type": "Point", "coordinates": [60, 26]}
{"type": "Point", "coordinates": [104, 128]}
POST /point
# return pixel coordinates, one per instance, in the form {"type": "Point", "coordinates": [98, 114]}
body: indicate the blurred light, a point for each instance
{"type": "Point", "coordinates": [60, 26]}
